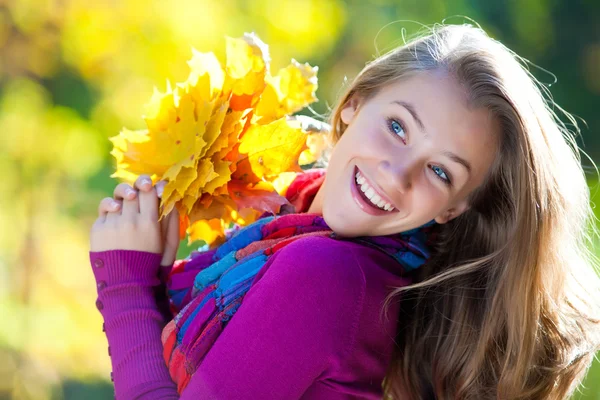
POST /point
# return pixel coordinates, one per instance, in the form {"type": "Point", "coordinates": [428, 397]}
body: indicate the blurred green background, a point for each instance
{"type": "Point", "coordinates": [72, 73]}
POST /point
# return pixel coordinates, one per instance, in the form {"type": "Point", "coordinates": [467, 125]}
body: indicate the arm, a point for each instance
{"type": "Point", "coordinates": [126, 283]}
{"type": "Point", "coordinates": [128, 244]}
{"type": "Point", "coordinates": [276, 345]}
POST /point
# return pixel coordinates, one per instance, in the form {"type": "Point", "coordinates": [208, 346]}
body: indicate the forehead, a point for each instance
{"type": "Point", "coordinates": [450, 123]}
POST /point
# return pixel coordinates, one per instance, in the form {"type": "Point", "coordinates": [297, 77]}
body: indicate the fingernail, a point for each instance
{"type": "Point", "coordinates": [159, 191]}
{"type": "Point", "coordinates": [129, 192]}
{"type": "Point", "coordinates": [114, 204]}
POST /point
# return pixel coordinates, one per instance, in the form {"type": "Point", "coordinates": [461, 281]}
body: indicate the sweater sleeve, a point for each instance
{"type": "Point", "coordinates": [126, 281]}
{"type": "Point", "coordinates": [302, 310]}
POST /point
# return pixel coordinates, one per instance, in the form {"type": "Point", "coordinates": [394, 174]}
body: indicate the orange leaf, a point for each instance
{"type": "Point", "coordinates": [261, 197]}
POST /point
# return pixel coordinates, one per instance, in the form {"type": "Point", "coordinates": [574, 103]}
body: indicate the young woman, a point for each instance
{"type": "Point", "coordinates": [442, 255]}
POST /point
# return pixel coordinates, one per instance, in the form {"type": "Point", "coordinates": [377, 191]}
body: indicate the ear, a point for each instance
{"type": "Point", "coordinates": [349, 111]}
{"type": "Point", "coordinates": [453, 212]}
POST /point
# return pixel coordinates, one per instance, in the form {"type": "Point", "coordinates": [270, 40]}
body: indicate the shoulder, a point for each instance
{"type": "Point", "coordinates": [321, 259]}
{"type": "Point", "coordinates": [321, 273]}
{"type": "Point", "coordinates": [314, 284]}
{"type": "Point", "coordinates": [324, 285]}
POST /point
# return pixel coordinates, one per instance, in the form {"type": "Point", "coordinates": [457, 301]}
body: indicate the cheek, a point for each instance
{"type": "Point", "coordinates": [429, 197]}
{"type": "Point", "coordinates": [364, 140]}
{"type": "Point", "coordinates": [372, 134]}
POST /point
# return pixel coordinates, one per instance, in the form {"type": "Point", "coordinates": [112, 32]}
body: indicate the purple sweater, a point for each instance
{"type": "Point", "coordinates": [310, 328]}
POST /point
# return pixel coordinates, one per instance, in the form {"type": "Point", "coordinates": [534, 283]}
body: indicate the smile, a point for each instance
{"type": "Point", "coordinates": [368, 197]}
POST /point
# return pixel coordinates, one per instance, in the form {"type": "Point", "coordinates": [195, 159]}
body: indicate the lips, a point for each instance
{"type": "Point", "coordinates": [362, 201]}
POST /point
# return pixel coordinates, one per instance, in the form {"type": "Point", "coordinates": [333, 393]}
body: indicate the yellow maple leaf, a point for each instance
{"type": "Point", "coordinates": [205, 172]}
{"type": "Point", "coordinates": [246, 68]}
{"type": "Point", "coordinates": [205, 66]}
{"type": "Point", "coordinates": [160, 110]}
{"type": "Point", "coordinates": [211, 231]}
{"type": "Point", "coordinates": [221, 177]}
{"type": "Point", "coordinates": [317, 143]}
{"type": "Point", "coordinates": [268, 150]}
{"type": "Point", "coordinates": [292, 89]}
{"type": "Point", "coordinates": [199, 212]}
{"type": "Point", "coordinates": [171, 142]}
{"type": "Point", "coordinates": [283, 181]}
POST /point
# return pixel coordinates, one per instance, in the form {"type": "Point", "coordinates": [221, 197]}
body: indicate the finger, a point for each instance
{"type": "Point", "coordinates": [164, 227]}
{"type": "Point", "coordinates": [148, 199]}
{"type": "Point", "coordinates": [108, 205]}
{"type": "Point", "coordinates": [124, 191]}
{"type": "Point", "coordinates": [131, 207]}
{"type": "Point", "coordinates": [164, 231]}
{"type": "Point", "coordinates": [143, 183]}
{"type": "Point", "coordinates": [160, 188]}
{"type": "Point", "coordinates": [112, 216]}
{"type": "Point", "coordinates": [172, 239]}
{"type": "Point", "coordinates": [128, 197]}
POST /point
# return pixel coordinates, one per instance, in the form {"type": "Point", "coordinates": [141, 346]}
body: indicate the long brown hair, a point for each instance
{"type": "Point", "coordinates": [507, 306]}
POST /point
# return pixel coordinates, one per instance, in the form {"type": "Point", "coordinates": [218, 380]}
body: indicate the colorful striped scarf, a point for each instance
{"type": "Point", "coordinates": [206, 289]}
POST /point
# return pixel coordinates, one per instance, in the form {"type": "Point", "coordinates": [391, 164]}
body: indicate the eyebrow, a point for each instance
{"type": "Point", "coordinates": [411, 109]}
{"type": "Point", "coordinates": [413, 112]}
{"type": "Point", "coordinates": [458, 160]}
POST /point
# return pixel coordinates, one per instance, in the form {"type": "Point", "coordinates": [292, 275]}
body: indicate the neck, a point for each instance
{"type": "Point", "coordinates": [316, 207]}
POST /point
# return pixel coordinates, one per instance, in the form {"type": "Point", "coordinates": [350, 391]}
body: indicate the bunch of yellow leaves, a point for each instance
{"type": "Point", "coordinates": [223, 140]}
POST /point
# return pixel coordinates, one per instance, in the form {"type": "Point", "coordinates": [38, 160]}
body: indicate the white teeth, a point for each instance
{"type": "Point", "coordinates": [376, 199]}
{"type": "Point", "coordinates": [369, 192]}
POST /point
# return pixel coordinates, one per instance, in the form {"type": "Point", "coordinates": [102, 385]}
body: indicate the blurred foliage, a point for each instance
{"type": "Point", "coordinates": [72, 73]}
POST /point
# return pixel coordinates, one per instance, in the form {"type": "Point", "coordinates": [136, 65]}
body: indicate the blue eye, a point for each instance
{"type": "Point", "coordinates": [442, 175]}
{"type": "Point", "coordinates": [396, 128]}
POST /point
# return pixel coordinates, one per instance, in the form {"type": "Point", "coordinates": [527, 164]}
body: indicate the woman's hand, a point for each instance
{"type": "Point", "coordinates": [130, 222]}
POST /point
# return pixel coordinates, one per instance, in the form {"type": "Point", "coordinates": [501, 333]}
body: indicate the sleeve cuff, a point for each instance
{"type": "Point", "coordinates": [125, 266]}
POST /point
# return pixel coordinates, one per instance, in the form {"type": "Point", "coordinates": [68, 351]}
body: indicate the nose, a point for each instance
{"type": "Point", "coordinates": [398, 173]}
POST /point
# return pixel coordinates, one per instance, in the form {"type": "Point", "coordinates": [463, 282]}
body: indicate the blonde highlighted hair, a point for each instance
{"type": "Point", "coordinates": [508, 305]}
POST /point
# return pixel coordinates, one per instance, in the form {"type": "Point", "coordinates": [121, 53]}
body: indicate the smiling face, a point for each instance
{"type": "Point", "coordinates": [415, 149]}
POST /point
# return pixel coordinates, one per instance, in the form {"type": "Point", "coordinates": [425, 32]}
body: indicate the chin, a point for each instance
{"type": "Point", "coordinates": [342, 225]}
{"type": "Point", "coordinates": [343, 229]}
